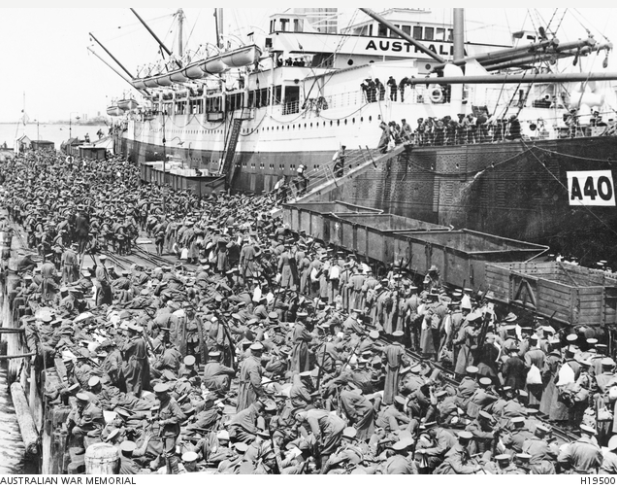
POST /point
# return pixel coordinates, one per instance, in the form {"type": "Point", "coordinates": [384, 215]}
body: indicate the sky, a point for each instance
{"type": "Point", "coordinates": [46, 66]}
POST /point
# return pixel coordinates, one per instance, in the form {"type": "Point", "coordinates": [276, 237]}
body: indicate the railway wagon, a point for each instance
{"type": "Point", "coordinates": [460, 256]}
{"type": "Point", "coordinates": [372, 235]}
{"type": "Point", "coordinates": [311, 217]}
{"type": "Point", "coordinates": [566, 293]}
{"type": "Point", "coordinates": [183, 180]}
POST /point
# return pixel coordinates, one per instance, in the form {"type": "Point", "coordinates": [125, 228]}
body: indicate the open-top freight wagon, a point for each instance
{"type": "Point", "coordinates": [567, 293]}
{"type": "Point", "coordinates": [516, 272]}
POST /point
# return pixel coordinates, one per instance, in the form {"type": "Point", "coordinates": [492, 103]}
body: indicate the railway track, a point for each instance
{"type": "Point", "coordinates": [562, 435]}
{"type": "Point", "coordinates": [138, 253]}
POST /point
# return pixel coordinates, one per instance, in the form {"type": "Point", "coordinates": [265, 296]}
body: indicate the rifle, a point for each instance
{"type": "Point", "coordinates": [416, 437]}
{"type": "Point", "coordinates": [231, 342]}
{"type": "Point", "coordinates": [202, 342]}
{"type": "Point", "coordinates": [352, 355]}
{"type": "Point", "coordinates": [148, 340]}
{"type": "Point", "coordinates": [67, 439]}
{"type": "Point", "coordinates": [321, 367]}
{"type": "Point", "coordinates": [484, 329]}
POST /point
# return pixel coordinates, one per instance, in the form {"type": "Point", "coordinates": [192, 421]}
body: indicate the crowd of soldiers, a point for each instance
{"type": "Point", "coordinates": [256, 350]}
{"type": "Point", "coordinates": [449, 131]}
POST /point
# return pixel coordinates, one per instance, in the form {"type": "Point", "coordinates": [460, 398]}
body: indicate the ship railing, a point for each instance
{"type": "Point", "coordinates": [496, 134]}
{"type": "Point", "coordinates": [352, 98]}
{"type": "Point", "coordinates": [290, 108]}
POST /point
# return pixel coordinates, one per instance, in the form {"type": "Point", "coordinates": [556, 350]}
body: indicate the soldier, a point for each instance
{"type": "Point", "coordinates": [302, 336]}
{"type": "Point", "coordinates": [584, 455]}
{"type": "Point", "coordinates": [247, 260]}
{"type": "Point", "coordinates": [127, 465]}
{"type": "Point", "coordinates": [49, 275]}
{"type": "Point", "coordinates": [393, 88]}
{"type": "Point", "coordinates": [484, 436]}
{"type": "Point", "coordinates": [70, 265]}
{"type": "Point", "coordinates": [440, 442]}
{"type": "Point", "coordinates": [251, 372]}
{"type": "Point", "coordinates": [503, 466]}
{"type": "Point", "coordinates": [327, 427]}
{"type": "Point", "coordinates": [609, 458]}
{"type": "Point", "coordinates": [537, 447]}
{"type": "Point", "coordinates": [357, 295]}
{"type": "Point", "coordinates": [135, 367]}
{"type": "Point", "coordinates": [104, 294]}
{"type": "Point", "coordinates": [400, 462]}
{"type": "Point", "coordinates": [458, 459]}
{"type": "Point", "coordinates": [243, 426]}
{"type": "Point", "coordinates": [169, 417]}
{"type": "Point", "coordinates": [217, 377]}
{"type": "Point", "coordinates": [395, 355]}
{"type": "Point", "coordinates": [85, 422]}
{"type": "Point", "coordinates": [522, 463]}
{"type": "Point", "coordinates": [189, 462]}
{"type": "Point", "coordinates": [81, 229]}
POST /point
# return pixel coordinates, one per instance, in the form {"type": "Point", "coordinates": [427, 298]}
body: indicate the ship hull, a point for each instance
{"type": "Point", "coordinates": [257, 172]}
{"type": "Point", "coordinates": [515, 189]}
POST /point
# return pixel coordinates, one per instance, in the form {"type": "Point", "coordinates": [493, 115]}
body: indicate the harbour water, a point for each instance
{"type": "Point", "coordinates": [56, 133]}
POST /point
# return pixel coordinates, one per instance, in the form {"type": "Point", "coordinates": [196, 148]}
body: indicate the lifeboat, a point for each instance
{"type": "Point", "coordinates": [194, 72]}
{"type": "Point", "coordinates": [242, 57]}
{"type": "Point", "coordinates": [214, 66]}
{"type": "Point", "coordinates": [115, 111]}
{"type": "Point", "coordinates": [178, 77]}
{"type": "Point", "coordinates": [139, 84]}
{"type": "Point", "coordinates": [151, 83]}
{"type": "Point", "coordinates": [245, 56]}
{"type": "Point", "coordinates": [127, 104]}
{"type": "Point", "coordinates": [164, 80]}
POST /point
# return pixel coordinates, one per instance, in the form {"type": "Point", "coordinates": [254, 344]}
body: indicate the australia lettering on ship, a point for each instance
{"type": "Point", "coordinates": [407, 47]}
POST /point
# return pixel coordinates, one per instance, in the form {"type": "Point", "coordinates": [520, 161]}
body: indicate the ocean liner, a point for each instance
{"type": "Point", "coordinates": [497, 125]}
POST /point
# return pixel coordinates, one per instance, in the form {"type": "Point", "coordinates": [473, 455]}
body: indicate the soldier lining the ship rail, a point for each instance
{"type": "Point", "coordinates": [285, 355]}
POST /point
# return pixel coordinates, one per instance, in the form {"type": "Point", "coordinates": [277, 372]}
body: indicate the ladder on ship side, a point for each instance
{"type": "Point", "coordinates": [353, 160]}
{"type": "Point", "coordinates": [229, 169]}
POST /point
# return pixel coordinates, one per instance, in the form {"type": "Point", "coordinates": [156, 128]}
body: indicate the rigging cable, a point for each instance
{"type": "Point", "coordinates": [582, 17]}
{"type": "Point", "coordinates": [561, 21]}
{"type": "Point", "coordinates": [193, 29]}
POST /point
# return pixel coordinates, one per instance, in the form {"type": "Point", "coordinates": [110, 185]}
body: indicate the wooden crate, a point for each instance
{"type": "Point", "coordinates": [570, 294]}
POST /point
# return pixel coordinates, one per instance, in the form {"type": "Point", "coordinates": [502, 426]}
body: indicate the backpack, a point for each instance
{"type": "Point", "coordinates": [534, 377]}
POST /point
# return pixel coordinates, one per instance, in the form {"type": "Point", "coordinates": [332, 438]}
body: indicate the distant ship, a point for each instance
{"type": "Point", "coordinates": [493, 114]}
